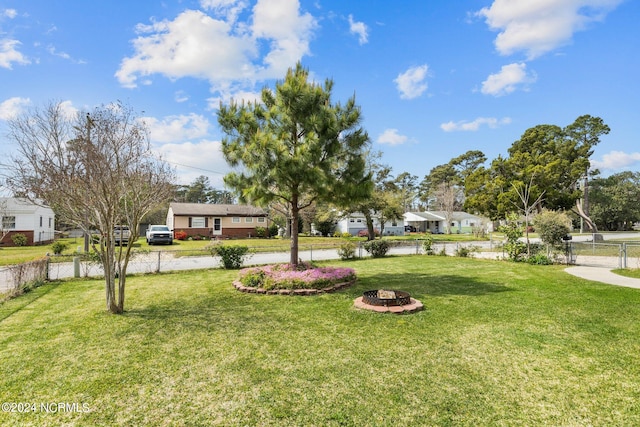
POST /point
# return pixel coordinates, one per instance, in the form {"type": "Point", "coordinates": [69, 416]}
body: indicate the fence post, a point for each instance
{"type": "Point", "coordinates": [311, 252]}
{"type": "Point", "coordinates": [623, 255]}
{"type": "Point", "coordinates": [76, 267]}
{"type": "Point", "coordinates": [158, 269]}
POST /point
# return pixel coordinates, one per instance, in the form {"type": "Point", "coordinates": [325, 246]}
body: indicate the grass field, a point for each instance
{"type": "Point", "coordinates": [497, 344]}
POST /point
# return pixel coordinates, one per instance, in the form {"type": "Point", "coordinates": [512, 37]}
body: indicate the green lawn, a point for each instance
{"type": "Point", "coordinates": [498, 344]}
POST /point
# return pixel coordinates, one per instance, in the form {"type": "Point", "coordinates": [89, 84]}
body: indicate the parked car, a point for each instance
{"type": "Point", "coordinates": [365, 233]}
{"type": "Point", "coordinates": [121, 235]}
{"type": "Point", "coordinates": [409, 229]}
{"type": "Point", "coordinates": [159, 234]}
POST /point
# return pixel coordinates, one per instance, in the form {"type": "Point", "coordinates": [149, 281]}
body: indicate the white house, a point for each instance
{"type": "Point", "coordinates": [355, 223]}
{"type": "Point", "coordinates": [20, 216]}
{"type": "Point", "coordinates": [435, 222]}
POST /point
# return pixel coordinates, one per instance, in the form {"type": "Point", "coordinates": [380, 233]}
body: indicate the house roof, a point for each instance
{"type": "Point", "coordinates": [201, 209]}
{"type": "Point", "coordinates": [17, 205]}
{"type": "Point", "coordinates": [422, 216]}
{"type": "Point", "coordinates": [437, 216]}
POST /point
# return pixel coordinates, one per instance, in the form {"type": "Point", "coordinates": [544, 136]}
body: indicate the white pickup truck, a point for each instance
{"type": "Point", "coordinates": [121, 234]}
{"type": "Point", "coordinates": [159, 234]}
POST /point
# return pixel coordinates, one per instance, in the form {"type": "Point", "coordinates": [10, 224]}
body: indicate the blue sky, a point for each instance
{"type": "Point", "coordinates": [434, 78]}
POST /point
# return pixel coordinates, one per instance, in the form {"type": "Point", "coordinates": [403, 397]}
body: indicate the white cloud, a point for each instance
{"type": "Point", "coordinates": [68, 110]}
{"type": "Point", "coordinates": [228, 9]}
{"type": "Point", "coordinates": [10, 13]}
{"type": "Point", "coordinates": [13, 107]}
{"type": "Point", "coordinates": [53, 51]}
{"type": "Point", "coordinates": [391, 137]}
{"type": "Point", "coordinates": [222, 50]}
{"type": "Point", "coordinates": [473, 126]}
{"type": "Point", "coordinates": [180, 96]}
{"type": "Point", "coordinates": [239, 96]}
{"type": "Point", "coordinates": [411, 84]}
{"type": "Point", "coordinates": [540, 26]}
{"type": "Point", "coordinates": [177, 128]}
{"type": "Point", "coordinates": [360, 29]}
{"type": "Point", "coordinates": [9, 53]}
{"type": "Point", "coordinates": [192, 159]}
{"type": "Point", "coordinates": [616, 160]}
{"type": "Point", "coordinates": [508, 79]}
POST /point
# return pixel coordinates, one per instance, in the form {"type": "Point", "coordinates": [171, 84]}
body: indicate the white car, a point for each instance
{"type": "Point", "coordinates": [159, 234]}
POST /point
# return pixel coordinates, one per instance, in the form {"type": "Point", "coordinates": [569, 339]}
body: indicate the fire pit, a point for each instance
{"type": "Point", "coordinates": [381, 297]}
{"type": "Point", "coordinates": [382, 301]}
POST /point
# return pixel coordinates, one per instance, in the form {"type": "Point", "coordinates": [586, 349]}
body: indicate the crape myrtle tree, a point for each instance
{"type": "Point", "coordinates": [96, 171]}
{"type": "Point", "coordinates": [297, 147]}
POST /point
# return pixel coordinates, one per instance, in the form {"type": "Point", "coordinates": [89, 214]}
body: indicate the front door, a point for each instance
{"type": "Point", "coordinates": [217, 226]}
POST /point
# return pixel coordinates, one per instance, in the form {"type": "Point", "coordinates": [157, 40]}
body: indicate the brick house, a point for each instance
{"type": "Point", "coordinates": [216, 220]}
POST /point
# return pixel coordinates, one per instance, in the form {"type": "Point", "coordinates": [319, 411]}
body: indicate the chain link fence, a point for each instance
{"type": "Point", "coordinates": [18, 278]}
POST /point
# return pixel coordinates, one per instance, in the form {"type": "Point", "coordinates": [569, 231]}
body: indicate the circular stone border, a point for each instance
{"type": "Point", "coordinates": [300, 292]}
{"type": "Point", "coordinates": [412, 307]}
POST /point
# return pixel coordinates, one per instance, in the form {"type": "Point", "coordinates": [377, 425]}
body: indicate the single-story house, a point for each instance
{"type": "Point", "coordinates": [356, 222]}
{"type": "Point", "coordinates": [435, 222]}
{"type": "Point", "coordinates": [20, 216]}
{"type": "Point", "coordinates": [216, 220]}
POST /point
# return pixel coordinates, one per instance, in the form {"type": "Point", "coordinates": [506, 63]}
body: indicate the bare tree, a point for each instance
{"type": "Point", "coordinates": [526, 206]}
{"type": "Point", "coordinates": [96, 171]}
{"type": "Point", "coordinates": [447, 195]}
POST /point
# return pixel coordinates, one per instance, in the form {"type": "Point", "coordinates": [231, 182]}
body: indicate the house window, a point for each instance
{"type": "Point", "coordinates": [359, 220]}
{"type": "Point", "coordinates": [8, 222]}
{"type": "Point", "coordinates": [394, 223]}
{"type": "Point", "coordinates": [235, 219]}
{"type": "Point", "coordinates": [40, 221]}
{"type": "Point", "coordinates": [50, 222]}
{"type": "Point", "coordinates": [261, 219]}
{"type": "Point", "coordinates": [198, 222]}
{"type": "Point", "coordinates": [248, 219]}
{"type": "Point", "coordinates": [352, 220]}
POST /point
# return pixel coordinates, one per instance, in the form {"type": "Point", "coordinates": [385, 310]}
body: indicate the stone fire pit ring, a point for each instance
{"type": "Point", "coordinates": [392, 301]}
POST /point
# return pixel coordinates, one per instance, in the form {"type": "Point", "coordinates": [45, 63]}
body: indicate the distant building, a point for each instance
{"type": "Point", "coordinates": [435, 222]}
{"type": "Point", "coordinates": [355, 224]}
{"type": "Point", "coordinates": [20, 216]}
{"type": "Point", "coordinates": [216, 220]}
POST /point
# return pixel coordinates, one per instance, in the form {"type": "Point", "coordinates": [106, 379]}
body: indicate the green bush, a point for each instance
{"type": "Point", "coordinates": [427, 245]}
{"type": "Point", "coordinates": [377, 248]}
{"type": "Point", "coordinates": [58, 247]}
{"type": "Point", "coordinates": [261, 232]}
{"type": "Point", "coordinates": [232, 256]}
{"type": "Point", "coordinates": [19, 239]}
{"type": "Point", "coordinates": [539, 259]}
{"type": "Point", "coordinates": [347, 251]}
{"type": "Point", "coordinates": [552, 227]}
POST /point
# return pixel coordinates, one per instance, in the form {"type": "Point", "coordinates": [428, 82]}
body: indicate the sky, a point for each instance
{"type": "Point", "coordinates": [433, 79]}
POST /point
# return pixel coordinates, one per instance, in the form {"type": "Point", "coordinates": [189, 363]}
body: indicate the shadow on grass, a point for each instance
{"type": "Point", "coordinates": [426, 285]}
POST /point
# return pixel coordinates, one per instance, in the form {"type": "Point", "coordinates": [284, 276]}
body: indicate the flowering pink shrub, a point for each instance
{"type": "Point", "coordinates": [286, 276]}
